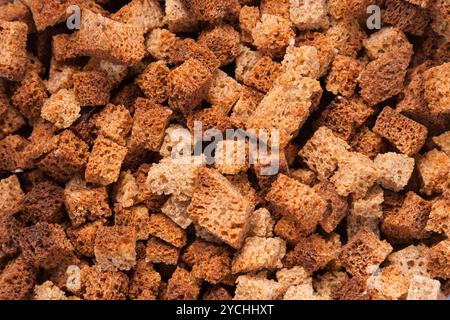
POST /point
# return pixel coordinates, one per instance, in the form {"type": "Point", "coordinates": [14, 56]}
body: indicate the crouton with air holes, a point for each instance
{"type": "Point", "coordinates": [13, 61]}
{"type": "Point", "coordinates": [61, 109]}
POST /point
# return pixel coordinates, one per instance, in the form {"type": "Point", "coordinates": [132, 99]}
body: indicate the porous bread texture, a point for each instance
{"type": "Point", "coordinates": [259, 253]}
{"type": "Point", "coordinates": [48, 291]}
{"type": "Point", "coordinates": [219, 208]}
{"type": "Point", "coordinates": [123, 43]}
{"type": "Point", "coordinates": [144, 14]}
{"type": "Point", "coordinates": [162, 44]}
{"type": "Point", "coordinates": [176, 209]}
{"type": "Point", "coordinates": [61, 109]}
{"type": "Point", "coordinates": [411, 260]}
{"type": "Point", "coordinates": [256, 288]}
{"type": "Point", "coordinates": [136, 217]}
{"type": "Point", "coordinates": [261, 223]}
{"type": "Point", "coordinates": [438, 221]}
{"type": "Point", "coordinates": [224, 91]}
{"type": "Point", "coordinates": [178, 17]}
{"type": "Point", "coordinates": [309, 15]}
{"type": "Point", "coordinates": [298, 202]}
{"type": "Point", "coordinates": [153, 81]}
{"type": "Point", "coordinates": [105, 161]}
{"type": "Point", "coordinates": [434, 171]}
{"type": "Point", "coordinates": [164, 228]}
{"type": "Point", "coordinates": [11, 195]}
{"type": "Point", "coordinates": [394, 170]}
{"type": "Point", "coordinates": [302, 60]}
{"type": "Point", "coordinates": [443, 142]}
{"type": "Point", "coordinates": [13, 54]}
{"type": "Point", "coordinates": [323, 152]}
{"type": "Point", "coordinates": [423, 288]}
{"type": "Point", "coordinates": [161, 177]}
{"type": "Point", "coordinates": [437, 92]}
{"type": "Point", "coordinates": [388, 39]}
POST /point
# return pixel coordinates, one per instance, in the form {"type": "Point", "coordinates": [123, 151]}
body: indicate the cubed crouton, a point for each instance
{"type": "Point", "coordinates": [114, 122]}
{"type": "Point", "coordinates": [228, 219]}
{"type": "Point", "coordinates": [224, 91]}
{"type": "Point", "coordinates": [323, 152]}
{"type": "Point", "coordinates": [13, 61]}
{"type": "Point", "coordinates": [363, 251]}
{"type": "Point", "coordinates": [245, 62]}
{"type": "Point", "coordinates": [439, 219]}
{"type": "Point", "coordinates": [144, 14]}
{"type": "Point", "coordinates": [344, 75]}
{"type": "Point", "coordinates": [83, 237]}
{"type": "Point", "coordinates": [437, 92]}
{"type": "Point", "coordinates": [136, 217]}
{"type": "Point", "coordinates": [408, 223]}
{"type": "Point", "coordinates": [176, 209]}
{"type": "Point", "coordinates": [182, 286]}
{"type": "Point", "coordinates": [9, 236]}
{"type": "Point", "coordinates": [247, 103]}
{"type": "Point", "coordinates": [178, 17]}
{"type": "Point", "coordinates": [44, 245]}
{"type": "Point", "coordinates": [337, 206]}
{"type": "Point", "coordinates": [255, 288]}
{"type": "Point", "coordinates": [62, 109]}
{"type": "Point", "coordinates": [263, 74]}
{"type": "Point", "coordinates": [261, 223]}
{"type": "Point", "coordinates": [388, 39]}
{"type": "Point", "coordinates": [307, 209]}
{"type": "Point", "coordinates": [259, 254]}
{"type": "Point", "coordinates": [302, 60]}
{"type": "Point", "coordinates": [191, 49]}
{"type": "Point", "coordinates": [346, 37]}
{"type": "Point", "coordinates": [153, 81]}
{"type": "Point", "coordinates": [272, 35]}
{"type": "Point", "coordinates": [67, 159]}
{"type": "Point", "coordinates": [103, 285]}
{"type": "Point", "coordinates": [309, 15]}
{"type": "Point", "coordinates": [115, 248]}
{"type": "Point", "coordinates": [164, 228]}
{"type": "Point", "coordinates": [48, 291]}
{"type": "Point", "coordinates": [105, 161]}
{"type": "Point", "coordinates": [406, 16]}
{"type": "Point", "coordinates": [405, 134]}
{"type": "Point", "coordinates": [11, 195]}
{"type": "Point", "coordinates": [423, 288]}
{"type": "Point", "coordinates": [412, 260]}
{"type": "Point", "coordinates": [443, 142]}
{"type": "Point", "coordinates": [159, 251]}
{"type": "Point", "coordinates": [91, 87]}
{"type": "Point", "coordinates": [188, 85]}
{"type": "Point", "coordinates": [144, 282]}
{"type": "Point", "coordinates": [163, 44]}
{"type": "Point", "coordinates": [367, 142]}
{"type": "Point", "coordinates": [44, 202]}
{"type": "Point", "coordinates": [223, 41]}
{"type": "Point", "coordinates": [248, 18]}
{"type": "Point", "coordinates": [394, 169]}
{"type": "Point", "coordinates": [439, 260]}
{"type": "Point", "coordinates": [17, 280]}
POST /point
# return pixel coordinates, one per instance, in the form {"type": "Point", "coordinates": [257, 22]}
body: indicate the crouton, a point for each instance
{"type": "Point", "coordinates": [309, 15]}
{"type": "Point", "coordinates": [11, 195]}
{"type": "Point", "coordinates": [62, 109]}
{"type": "Point", "coordinates": [406, 16]}
{"type": "Point", "coordinates": [48, 291]}
{"type": "Point", "coordinates": [437, 92]}
{"type": "Point", "coordinates": [255, 288]}
{"type": "Point", "coordinates": [176, 209]}
{"type": "Point", "coordinates": [346, 37]}
{"type": "Point", "coordinates": [438, 220]}
{"type": "Point", "coordinates": [223, 41]}
{"type": "Point", "coordinates": [367, 142]}
{"type": "Point", "coordinates": [439, 260]}
{"type": "Point", "coordinates": [91, 87]}
{"type": "Point", "coordinates": [17, 280]}
{"type": "Point", "coordinates": [224, 91]}
{"type": "Point", "coordinates": [263, 74]}
{"type": "Point", "coordinates": [163, 44]}
{"type": "Point", "coordinates": [146, 15]}
{"type": "Point", "coordinates": [153, 81]}
{"type": "Point", "coordinates": [423, 288]}
{"type": "Point", "coordinates": [261, 223]}
{"type": "Point", "coordinates": [13, 62]}
{"type": "Point", "coordinates": [159, 251]}
{"type": "Point", "coordinates": [164, 228]}
{"type": "Point", "coordinates": [83, 237]}
{"type": "Point", "coordinates": [103, 285]}
{"type": "Point", "coordinates": [144, 282]}
{"type": "Point", "coordinates": [114, 122]}
{"type": "Point", "coordinates": [337, 206]}
{"type": "Point", "coordinates": [245, 62]}
{"type": "Point", "coordinates": [302, 60]}
{"type": "Point", "coordinates": [136, 217]}
{"type": "Point", "coordinates": [44, 202]}
{"type": "Point", "coordinates": [394, 170]}
{"type": "Point", "coordinates": [228, 219]}
{"type": "Point", "coordinates": [388, 39]}
{"type": "Point", "coordinates": [182, 286]}
{"type": "Point", "coordinates": [344, 74]}
{"type": "Point", "coordinates": [178, 17]}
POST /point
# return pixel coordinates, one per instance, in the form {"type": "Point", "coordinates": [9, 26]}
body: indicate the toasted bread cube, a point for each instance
{"type": "Point", "coordinates": [443, 142]}
{"type": "Point", "coordinates": [363, 251]}
{"type": "Point", "coordinates": [105, 161]}
{"type": "Point", "coordinates": [145, 282]}
{"type": "Point", "coordinates": [125, 190]}
{"type": "Point", "coordinates": [85, 203]}
{"type": "Point", "coordinates": [255, 288]}
{"type": "Point", "coordinates": [178, 18]}
{"type": "Point", "coordinates": [116, 72]}
{"type": "Point", "coordinates": [224, 91]}
{"type": "Point", "coordinates": [272, 35]}
{"type": "Point", "coordinates": [412, 260]}
{"type": "Point", "coordinates": [247, 103]}
{"type": "Point", "coordinates": [9, 236]}
{"type": "Point", "coordinates": [356, 174]}
{"type": "Point", "coordinates": [163, 180]}
{"type": "Point", "coordinates": [13, 61]}
{"type": "Point", "coordinates": [383, 78]}
{"type": "Point", "coordinates": [337, 206]}
{"type": "Point", "coordinates": [60, 76]}
{"type": "Point", "coordinates": [408, 223]}
{"type": "Point", "coordinates": [83, 237]}
{"type": "Point", "coordinates": [248, 18]}
{"type": "Point", "coordinates": [423, 288]}
{"type": "Point", "coordinates": [323, 152]}
{"type": "Point", "coordinates": [304, 291]}
{"type": "Point", "coordinates": [439, 219]}
{"type": "Point", "coordinates": [44, 245]}
{"type": "Point", "coordinates": [437, 92]}
{"type": "Point", "coordinates": [30, 96]}
{"type": "Point", "coordinates": [11, 195]}
{"type": "Point", "coordinates": [211, 11]}
{"type": "Point", "coordinates": [115, 248]}
{"type": "Point", "coordinates": [348, 8]}
{"type": "Point", "coordinates": [68, 158]}
{"type": "Point", "coordinates": [407, 135]}
{"type": "Point", "coordinates": [324, 46]}
{"type": "Point", "coordinates": [114, 122]}
{"type": "Point", "coordinates": [388, 39]}
{"type": "Point", "coordinates": [344, 116]}
{"type": "Point", "coordinates": [208, 261]}
{"type": "Point", "coordinates": [263, 74]}
{"type": "Point", "coordinates": [65, 47]}
{"type": "Point", "coordinates": [61, 109]}
{"type": "Point", "coordinates": [48, 291]}
{"type": "Point", "coordinates": [17, 280]}
{"type": "Point", "coordinates": [144, 14]}
{"type": "Point", "coordinates": [227, 219]}
{"type": "Point", "coordinates": [245, 62]}
{"type": "Point", "coordinates": [307, 209]}
{"type": "Point", "coordinates": [103, 285]}
{"type": "Point", "coordinates": [302, 60]}
{"type": "Point", "coordinates": [108, 39]}
{"type": "Point", "coordinates": [191, 49]}
{"type": "Point", "coordinates": [149, 125]}
{"type": "Point", "coordinates": [310, 15]}
{"type": "Point", "coordinates": [286, 107]}
{"type": "Point", "coordinates": [367, 142]}
{"type": "Point", "coordinates": [276, 7]}
{"type": "Point", "coordinates": [395, 170]}
{"type": "Point", "coordinates": [434, 170]}
{"type": "Point", "coordinates": [91, 87]}
{"type": "Point", "coordinates": [182, 286]}
{"type": "Point", "coordinates": [346, 37]}
{"type": "Point", "coordinates": [261, 223]}
{"type": "Point", "coordinates": [188, 85]}
{"type": "Point", "coordinates": [217, 292]}
{"type": "Point", "coordinates": [164, 228]}
{"type": "Point", "coordinates": [258, 254]}
{"type": "Point", "coordinates": [439, 260]}
{"type": "Point", "coordinates": [406, 16]}
{"type": "Point", "coordinates": [12, 148]}
{"type": "Point", "coordinates": [159, 251]}
{"type": "Point", "coordinates": [312, 253]}
{"type": "Point", "coordinates": [223, 41]}
{"type": "Point", "coordinates": [176, 209]}
{"type": "Point", "coordinates": [344, 74]}
{"type": "Point", "coordinates": [44, 202]}
{"type": "Point", "coordinates": [153, 81]}
{"type": "Point", "coordinates": [231, 156]}
{"type": "Point", "coordinates": [163, 44]}
{"type": "Point", "coordinates": [136, 217]}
